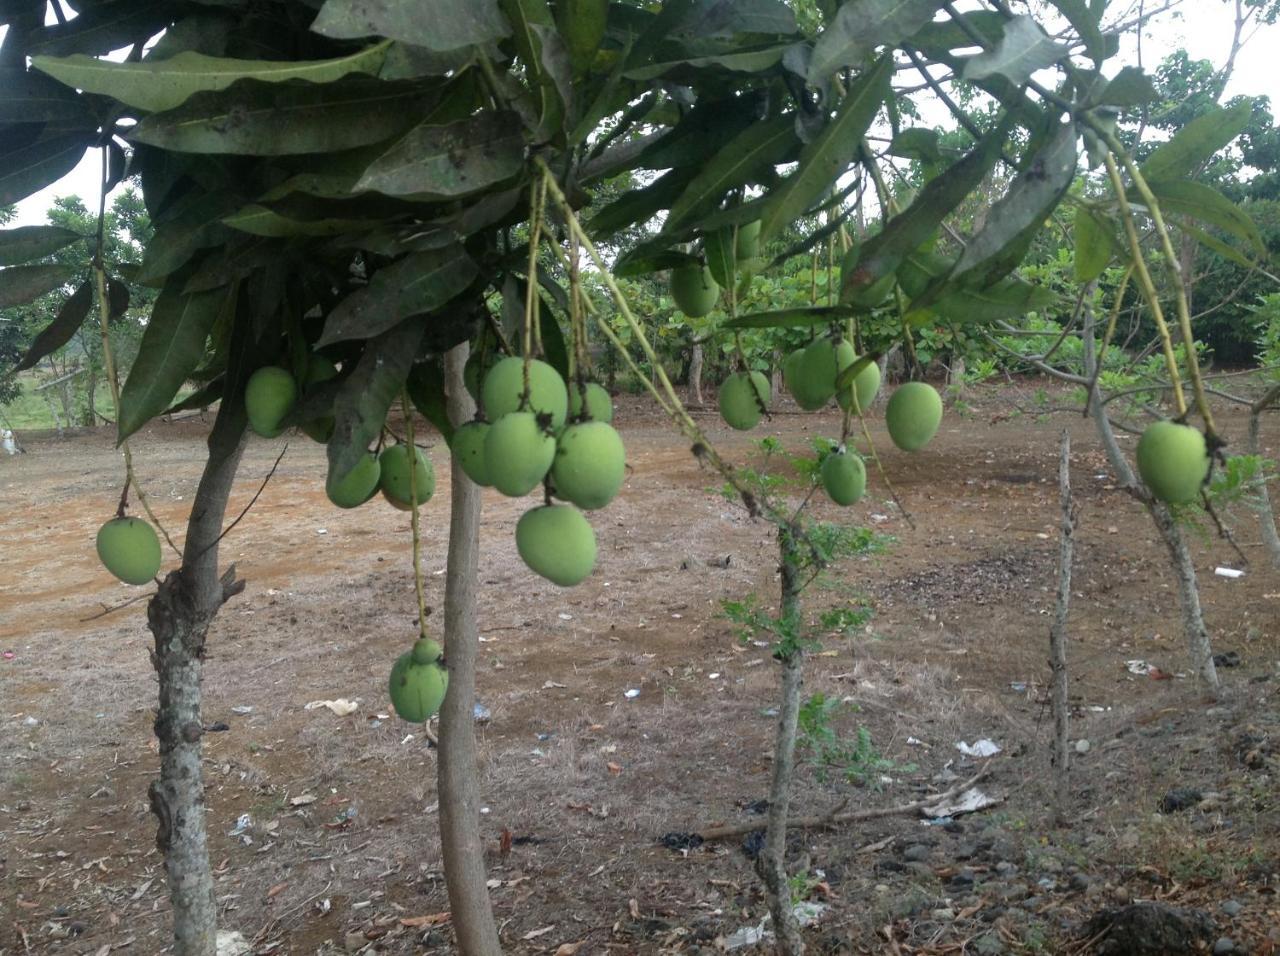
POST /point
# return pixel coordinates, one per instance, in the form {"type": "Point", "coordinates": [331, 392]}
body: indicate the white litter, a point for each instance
{"type": "Point", "coordinates": [1228, 573]}
{"type": "Point", "coordinates": [806, 914]}
{"type": "Point", "coordinates": [632, 693]}
{"type": "Point", "coordinates": [1139, 667]}
{"type": "Point", "coordinates": [980, 748]}
{"type": "Point", "coordinates": [970, 801]}
{"type": "Point", "coordinates": [916, 743]}
{"type": "Point", "coordinates": [230, 943]}
{"type": "Point", "coordinates": [342, 707]}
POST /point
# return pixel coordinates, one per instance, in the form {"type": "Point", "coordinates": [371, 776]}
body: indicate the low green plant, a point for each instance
{"type": "Point", "coordinates": [857, 759]}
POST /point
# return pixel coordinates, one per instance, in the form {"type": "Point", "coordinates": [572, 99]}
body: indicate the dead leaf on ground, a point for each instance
{"type": "Point", "coordinates": [535, 933]}
{"type": "Point", "coordinates": [633, 907]}
{"type": "Point", "coordinates": [302, 799]}
{"type": "Point", "coordinates": [568, 949]}
{"type": "Point", "coordinates": [276, 890]}
{"type": "Point", "coordinates": [614, 768]}
{"type": "Point", "coordinates": [431, 919]}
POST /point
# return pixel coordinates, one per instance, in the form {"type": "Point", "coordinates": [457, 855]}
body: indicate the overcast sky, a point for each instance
{"type": "Point", "coordinates": [1203, 27]}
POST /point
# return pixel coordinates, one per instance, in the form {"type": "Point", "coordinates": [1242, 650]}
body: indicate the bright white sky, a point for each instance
{"type": "Point", "coordinates": [1203, 27]}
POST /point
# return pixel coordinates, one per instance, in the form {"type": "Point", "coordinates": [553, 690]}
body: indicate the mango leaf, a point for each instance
{"type": "Point", "coordinates": [758, 146]}
{"type": "Point", "coordinates": [1007, 299]}
{"type": "Point", "coordinates": [158, 85]}
{"type": "Point", "coordinates": [1019, 214]}
{"type": "Point", "coordinates": [105, 26]}
{"type": "Point", "coordinates": [1130, 87]}
{"type": "Point", "coordinates": [743, 61]}
{"type": "Point", "coordinates": [64, 325]}
{"type": "Point", "coordinates": [1185, 197]}
{"type": "Point", "coordinates": [434, 24]}
{"type": "Point", "coordinates": [450, 160]}
{"type": "Point", "coordinates": [261, 221]}
{"type": "Point", "coordinates": [1024, 48]}
{"type": "Point", "coordinates": [1210, 241]}
{"type": "Point", "coordinates": [33, 242]}
{"type": "Point", "coordinates": [194, 225]}
{"type": "Point", "coordinates": [426, 390]}
{"type": "Point", "coordinates": [641, 205]}
{"type": "Point", "coordinates": [364, 397]}
{"type": "Point", "coordinates": [405, 61]}
{"type": "Point", "coordinates": [202, 397]}
{"type": "Point", "coordinates": [940, 37]}
{"type": "Point", "coordinates": [720, 248]}
{"type": "Point", "coordinates": [716, 18]}
{"type": "Point", "coordinates": [1095, 244]}
{"type": "Point", "coordinates": [20, 284]}
{"type": "Point", "coordinates": [907, 231]}
{"type": "Point", "coordinates": [27, 97]}
{"type": "Point", "coordinates": [172, 347]}
{"type": "Point", "coordinates": [1085, 23]}
{"type": "Point", "coordinates": [860, 27]}
{"type": "Point", "coordinates": [1194, 144]}
{"type": "Point", "coordinates": [29, 168]}
{"type": "Point", "coordinates": [532, 26]}
{"type": "Point", "coordinates": [279, 119]}
{"type": "Point", "coordinates": [828, 155]}
{"type": "Point", "coordinates": [420, 282]}
{"type": "Point", "coordinates": [701, 131]}
{"type": "Point", "coordinates": [791, 318]}
{"type": "Point", "coordinates": [919, 143]}
{"type": "Point", "coordinates": [646, 262]}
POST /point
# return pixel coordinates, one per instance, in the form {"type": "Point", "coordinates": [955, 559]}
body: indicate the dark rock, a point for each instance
{"type": "Point", "coordinates": [963, 878]}
{"type": "Point", "coordinates": [889, 866]}
{"type": "Point", "coordinates": [991, 914]}
{"type": "Point", "coordinates": [1232, 908]}
{"type": "Point", "coordinates": [1149, 929]}
{"type": "Point", "coordinates": [1181, 798]}
{"type": "Point", "coordinates": [965, 851]}
{"type": "Point", "coordinates": [1005, 869]}
{"type": "Point", "coordinates": [753, 843]}
{"type": "Point", "coordinates": [1079, 882]}
{"type": "Point", "coordinates": [922, 870]}
{"type": "Point", "coordinates": [917, 853]}
{"type": "Point", "coordinates": [1224, 945]}
{"type": "Point", "coordinates": [680, 841]}
{"type": "Point", "coordinates": [1013, 892]}
{"type": "Point", "coordinates": [1226, 659]}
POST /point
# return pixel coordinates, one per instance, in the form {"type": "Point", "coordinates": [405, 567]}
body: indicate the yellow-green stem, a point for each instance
{"type": "Point", "coordinates": [414, 521]}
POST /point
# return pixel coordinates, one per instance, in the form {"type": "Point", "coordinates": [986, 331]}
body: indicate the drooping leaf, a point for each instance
{"type": "Point", "coordinates": [554, 349]}
{"type": "Point", "coordinates": [1095, 244]}
{"type": "Point", "coordinates": [27, 97]}
{"type": "Point", "coordinates": [20, 284]}
{"type": "Point", "coordinates": [1085, 23]}
{"type": "Point", "coordinates": [716, 18]}
{"type": "Point", "coordinates": [532, 25]}
{"type": "Point", "coordinates": [940, 37]}
{"type": "Point", "coordinates": [60, 331]}
{"type": "Point", "coordinates": [405, 61]}
{"type": "Point", "coordinates": [701, 131]}
{"type": "Point", "coordinates": [194, 225]}
{"type": "Point", "coordinates": [280, 119]}
{"type": "Point", "coordinates": [29, 168]}
{"type": "Point", "coordinates": [260, 221]}
{"type": "Point", "coordinates": [643, 262]}
{"type": "Point", "coordinates": [364, 397]}
{"type": "Point", "coordinates": [426, 390]}
{"type": "Point", "coordinates": [1018, 215]}
{"type": "Point", "coordinates": [436, 25]}
{"type": "Point", "coordinates": [1186, 197]}
{"type": "Point", "coordinates": [759, 146]}
{"type": "Point", "coordinates": [907, 231]}
{"type": "Point", "coordinates": [158, 85]}
{"type": "Point", "coordinates": [418, 283]}
{"type": "Point", "coordinates": [1007, 299]}
{"type": "Point", "coordinates": [641, 205]}
{"type": "Point", "coordinates": [917, 142]}
{"type": "Point", "coordinates": [1130, 87]}
{"type": "Point", "coordinates": [827, 156]}
{"type": "Point", "coordinates": [742, 61]}
{"type": "Point", "coordinates": [800, 317]}
{"type": "Point", "coordinates": [720, 248]}
{"type": "Point", "coordinates": [172, 347]}
{"type": "Point", "coordinates": [860, 27]}
{"type": "Point", "coordinates": [450, 160]}
{"type": "Point", "coordinates": [1210, 241]}
{"type": "Point", "coordinates": [105, 26]}
{"type": "Point", "coordinates": [202, 397]}
{"type": "Point", "coordinates": [33, 242]}
{"type": "Point", "coordinates": [1024, 48]}
{"type": "Point", "coordinates": [1194, 144]}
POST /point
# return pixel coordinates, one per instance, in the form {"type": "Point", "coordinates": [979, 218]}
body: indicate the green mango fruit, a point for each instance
{"type": "Point", "coordinates": [504, 386]}
{"type": "Point", "coordinates": [913, 415]}
{"type": "Point", "coordinates": [599, 404]}
{"type": "Point", "coordinates": [1173, 461]}
{"type": "Point", "coordinates": [844, 477]}
{"type": "Point", "coordinates": [129, 549]}
{"type": "Point", "coordinates": [865, 384]}
{"type": "Point", "coordinates": [357, 486]}
{"type": "Point", "coordinates": [468, 451]}
{"type": "Point", "coordinates": [268, 398]}
{"type": "Point", "coordinates": [744, 397]}
{"type": "Point", "coordinates": [590, 465]}
{"type": "Point", "coordinates": [418, 683]}
{"type": "Point", "coordinates": [518, 453]}
{"type": "Point", "coordinates": [581, 23]}
{"type": "Point", "coordinates": [694, 290]}
{"type": "Point", "coordinates": [394, 476]}
{"type": "Point", "coordinates": [557, 542]}
{"type": "Point", "coordinates": [748, 244]}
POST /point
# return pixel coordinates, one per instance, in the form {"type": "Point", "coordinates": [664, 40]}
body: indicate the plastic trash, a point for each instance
{"type": "Point", "coordinates": [979, 748]}
{"type": "Point", "coordinates": [1228, 573]}
{"type": "Point", "coordinates": [632, 693]}
{"type": "Point", "coordinates": [342, 707]}
{"type": "Point", "coordinates": [481, 713]}
{"type": "Point", "coordinates": [971, 801]}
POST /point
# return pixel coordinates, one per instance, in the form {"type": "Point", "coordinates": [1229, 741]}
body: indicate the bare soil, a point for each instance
{"type": "Point", "coordinates": [323, 826]}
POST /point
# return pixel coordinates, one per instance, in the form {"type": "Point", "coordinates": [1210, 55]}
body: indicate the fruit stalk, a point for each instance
{"type": "Point", "coordinates": [414, 520]}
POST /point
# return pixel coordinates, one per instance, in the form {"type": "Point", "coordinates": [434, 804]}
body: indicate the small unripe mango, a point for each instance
{"type": "Point", "coordinates": [590, 465]}
{"type": "Point", "coordinates": [468, 450]}
{"type": "Point", "coordinates": [357, 486]}
{"type": "Point", "coordinates": [517, 453]}
{"type": "Point", "coordinates": [417, 687]}
{"type": "Point", "coordinates": [268, 398]}
{"type": "Point", "coordinates": [1173, 461]}
{"type": "Point", "coordinates": [504, 386]}
{"type": "Point", "coordinates": [557, 542]}
{"type": "Point", "coordinates": [599, 404]}
{"type": "Point", "coordinates": [748, 246]}
{"type": "Point", "coordinates": [694, 290]}
{"type": "Point", "coordinates": [744, 396]}
{"type": "Point", "coordinates": [913, 415]}
{"type": "Point", "coordinates": [129, 549]}
{"type": "Point", "coordinates": [844, 477]}
{"type": "Point", "coordinates": [394, 477]}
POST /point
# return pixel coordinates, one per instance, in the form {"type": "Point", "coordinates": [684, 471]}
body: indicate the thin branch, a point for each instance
{"type": "Point", "coordinates": [252, 502]}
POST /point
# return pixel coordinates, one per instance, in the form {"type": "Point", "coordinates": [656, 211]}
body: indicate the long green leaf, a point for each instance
{"type": "Point", "coordinates": [1086, 24]}
{"type": "Point", "coordinates": [20, 284]}
{"type": "Point", "coordinates": [743, 61]}
{"type": "Point", "coordinates": [757, 147]}
{"type": "Point", "coordinates": [644, 262]}
{"type": "Point", "coordinates": [195, 225]}
{"type": "Point", "coordinates": [1195, 143]}
{"type": "Point", "coordinates": [158, 85]}
{"type": "Point", "coordinates": [105, 26]}
{"type": "Point", "coordinates": [33, 242]}
{"type": "Point", "coordinates": [437, 25]}
{"type": "Point", "coordinates": [30, 168]}
{"type": "Point", "coordinates": [421, 282]}
{"type": "Point", "coordinates": [450, 160]}
{"type": "Point", "coordinates": [531, 26]}
{"type": "Point", "coordinates": [426, 390]}
{"type": "Point", "coordinates": [802, 317]}
{"type": "Point", "coordinates": [860, 26]}
{"type": "Point", "coordinates": [1023, 49]}
{"type": "Point", "coordinates": [1130, 87]}
{"type": "Point", "coordinates": [59, 332]}
{"type": "Point", "coordinates": [364, 397]}
{"type": "Point", "coordinates": [829, 154]}
{"type": "Point", "coordinates": [720, 248]}
{"type": "Point", "coordinates": [1185, 197]}
{"type": "Point", "coordinates": [27, 97]}
{"type": "Point", "coordinates": [701, 131]}
{"type": "Point", "coordinates": [171, 349]}
{"type": "Point", "coordinates": [261, 221]}
{"type": "Point", "coordinates": [641, 205]}
{"type": "Point", "coordinates": [1095, 244]}
{"type": "Point", "coordinates": [1007, 299]}
{"type": "Point", "coordinates": [279, 119]}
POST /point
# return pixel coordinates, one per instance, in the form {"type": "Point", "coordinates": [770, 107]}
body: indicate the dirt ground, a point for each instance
{"type": "Point", "coordinates": [323, 826]}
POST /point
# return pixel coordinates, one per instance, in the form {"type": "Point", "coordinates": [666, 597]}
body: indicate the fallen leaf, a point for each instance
{"type": "Point", "coordinates": [614, 768]}
{"type": "Point", "coordinates": [341, 706]}
{"type": "Point", "coordinates": [504, 842]}
{"type": "Point", "coordinates": [568, 949]}
{"type": "Point", "coordinates": [535, 933]}
{"type": "Point", "coordinates": [633, 907]}
{"type": "Point", "coordinates": [276, 890]}
{"type": "Point", "coordinates": [550, 684]}
{"type": "Point", "coordinates": [432, 919]}
{"type": "Point", "coordinates": [302, 800]}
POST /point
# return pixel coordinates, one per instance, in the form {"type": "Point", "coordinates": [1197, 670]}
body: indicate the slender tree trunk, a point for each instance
{"type": "Point", "coordinates": [179, 617]}
{"type": "Point", "coordinates": [1266, 515]}
{"type": "Point", "coordinates": [459, 789]}
{"type": "Point", "coordinates": [1198, 644]}
{"type": "Point", "coordinates": [1058, 637]}
{"type": "Point", "coordinates": [695, 376]}
{"type": "Point", "coordinates": [772, 862]}
{"type": "Point", "coordinates": [775, 381]}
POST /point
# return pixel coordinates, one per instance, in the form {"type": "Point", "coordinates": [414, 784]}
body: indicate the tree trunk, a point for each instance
{"type": "Point", "coordinates": [695, 376]}
{"type": "Point", "coordinates": [459, 789]}
{"type": "Point", "coordinates": [1266, 516]}
{"type": "Point", "coordinates": [1058, 638]}
{"type": "Point", "coordinates": [776, 384]}
{"type": "Point", "coordinates": [179, 617]}
{"type": "Point", "coordinates": [773, 863]}
{"type": "Point", "coordinates": [1184, 568]}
